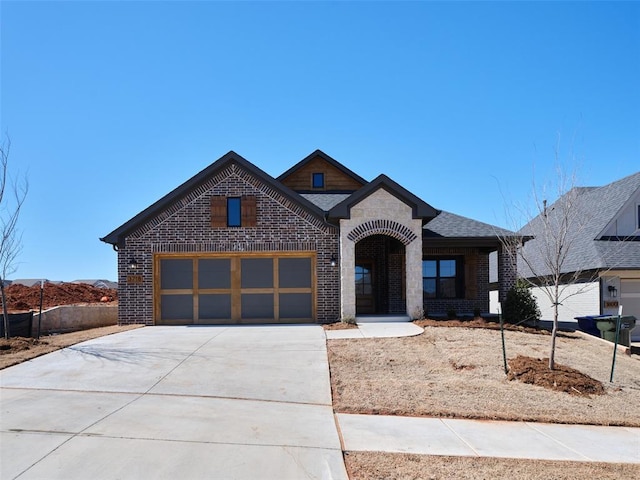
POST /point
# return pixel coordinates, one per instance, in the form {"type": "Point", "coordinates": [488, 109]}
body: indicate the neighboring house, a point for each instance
{"type": "Point", "coordinates": [317, 244]}
{"type": "Point", "coordinates": [605, 248]}
{"type": "Point", "coordinates": [98, 283]}
{"type": "Point", "coordinates": [31, 282]}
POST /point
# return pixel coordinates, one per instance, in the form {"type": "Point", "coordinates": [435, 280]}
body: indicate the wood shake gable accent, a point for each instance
{"type": "Point", "coordinates": [337, 177]}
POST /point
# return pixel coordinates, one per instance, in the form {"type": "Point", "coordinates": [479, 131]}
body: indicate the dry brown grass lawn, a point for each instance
{"type": "Point", "coordinates": [458, 372]}
{"type": "Point", "coordinates": [403, 466]}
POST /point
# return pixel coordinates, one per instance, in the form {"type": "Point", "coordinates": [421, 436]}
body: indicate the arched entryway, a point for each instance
{"type": "Point", "coordinates": [380, 276]}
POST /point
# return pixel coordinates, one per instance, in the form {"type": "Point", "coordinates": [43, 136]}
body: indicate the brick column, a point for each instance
{"type": "Point", "coordinates": [347, 275]}
{"type": "Point", "coordinates": [507, 269]}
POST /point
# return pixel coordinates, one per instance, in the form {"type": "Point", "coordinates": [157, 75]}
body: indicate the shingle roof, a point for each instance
{"type": "Point", "coordinates": [326, 201]}
{"type": "Point", "coordinates": [450, 225]}
{"type": "Point", "coordinates": [593, 208]}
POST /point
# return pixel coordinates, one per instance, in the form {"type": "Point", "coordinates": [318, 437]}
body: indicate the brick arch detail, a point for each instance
{"type": "Point", "coordinates": [382, 227]}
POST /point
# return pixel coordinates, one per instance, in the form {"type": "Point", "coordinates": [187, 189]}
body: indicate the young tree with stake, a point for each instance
{"type": "Point", "coordinates": [13, 193]}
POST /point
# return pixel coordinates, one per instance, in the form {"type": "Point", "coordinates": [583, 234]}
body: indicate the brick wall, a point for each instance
{"type": "Point", "coordinates": [185, 226]}
{"type": "Point", "coordinates": [507, 270]}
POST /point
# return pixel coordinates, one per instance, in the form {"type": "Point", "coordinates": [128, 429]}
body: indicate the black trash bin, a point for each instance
{"type": "Point", "coordinates": [607, 327]}
{"type": "Point", "coordinates": [587, 324]}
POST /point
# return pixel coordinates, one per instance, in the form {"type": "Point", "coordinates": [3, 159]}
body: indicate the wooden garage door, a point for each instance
{"type": "Point", "coordinates": [242, 288]}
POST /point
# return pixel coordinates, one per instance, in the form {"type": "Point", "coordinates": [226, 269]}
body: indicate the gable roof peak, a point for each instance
{"type": "Point", "coordinates": [116, 237]}
{"type": "Point", "coordinates": [419, 207]}
{"type": "Point", "coordinates": [330, 160]}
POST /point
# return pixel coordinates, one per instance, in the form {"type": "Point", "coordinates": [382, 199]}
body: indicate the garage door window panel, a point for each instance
{"type": "Point", "coordinates": [176, 274]}
{"type": "Point", "coordinates": [214, 273]}
{"type": "Point", "coordinates": [256, 273]}
{"type": "Point", "coordinates": [214, 306]}
{"type": "Point", "coordinates": [294, 272]}
{"type": "Point", "coordinates": [257, 306]}
{"type": "Point", "coordinates": [295, 305]}
{"type": "Point", "coordinates": [176, 307]}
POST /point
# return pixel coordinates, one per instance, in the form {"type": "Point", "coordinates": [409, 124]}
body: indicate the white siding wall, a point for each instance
{"type": "Point", "coordinates": [585, 303]}
{"type": "Point", "coordinates": [626, 222]}
{"type": "Point", "coordinates": [493, 301]}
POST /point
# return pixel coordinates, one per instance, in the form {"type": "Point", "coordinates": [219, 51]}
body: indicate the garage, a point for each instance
{"type": "Point", "coordinates": [234, 288]}
{"type": "Point", "coordinates": [630, 301]}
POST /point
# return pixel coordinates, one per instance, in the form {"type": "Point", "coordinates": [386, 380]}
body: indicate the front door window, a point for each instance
{"type": "Point", "coordinates": [365, 302]}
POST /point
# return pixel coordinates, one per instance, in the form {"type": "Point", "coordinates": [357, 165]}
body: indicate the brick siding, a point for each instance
{"type": "Point", "coordinates": [185, 226]}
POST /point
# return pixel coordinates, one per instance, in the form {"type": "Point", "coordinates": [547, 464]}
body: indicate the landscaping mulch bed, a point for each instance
{"type": "Point", "coordinates": [535, 371]}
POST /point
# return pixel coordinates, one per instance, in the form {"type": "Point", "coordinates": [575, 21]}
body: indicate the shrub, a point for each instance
{"type": "Point", "coordinates": [520, 305]}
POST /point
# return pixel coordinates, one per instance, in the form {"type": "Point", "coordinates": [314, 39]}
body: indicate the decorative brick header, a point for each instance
{"type": "Point", "coordinates": [382, 227]}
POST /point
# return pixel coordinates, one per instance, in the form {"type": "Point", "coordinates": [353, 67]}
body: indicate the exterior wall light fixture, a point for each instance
{"type": "Point", "coordinates": [613, 291]}
{"type": "Point", "coordinates": [133, 264]}
{"type": "Point", "coordinates": [333, 261]}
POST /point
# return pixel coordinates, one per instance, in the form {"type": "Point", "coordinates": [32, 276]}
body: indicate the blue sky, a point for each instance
{"type": "Point", "coordinates": [110, 105]}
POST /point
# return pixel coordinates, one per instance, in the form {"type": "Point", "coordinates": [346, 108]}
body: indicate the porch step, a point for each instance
{"type": "Point", "coordinates": [382, 318]}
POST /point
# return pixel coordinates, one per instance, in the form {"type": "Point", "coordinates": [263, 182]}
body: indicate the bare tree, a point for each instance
{"type": "Point", "coordinates": [13, 193]}
{"type": "Point", "coordinates": [548, 260]}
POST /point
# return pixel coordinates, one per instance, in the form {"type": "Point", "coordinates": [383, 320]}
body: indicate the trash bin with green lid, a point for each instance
{"type": "Point", "coordinates": [607, 327]}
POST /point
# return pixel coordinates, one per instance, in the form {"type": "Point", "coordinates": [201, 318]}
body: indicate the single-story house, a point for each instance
{"type": "Point", "coordinates": [604, 252]}
{"type": "Point", "coordinates": [319, 243]}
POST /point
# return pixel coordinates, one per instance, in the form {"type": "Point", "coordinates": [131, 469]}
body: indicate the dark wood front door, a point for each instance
{"type": "Point", "coordinates": [365, 298]}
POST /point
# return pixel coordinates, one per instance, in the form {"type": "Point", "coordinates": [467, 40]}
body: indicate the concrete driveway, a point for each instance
{"type": "Point", "coordinates": [174, 402]}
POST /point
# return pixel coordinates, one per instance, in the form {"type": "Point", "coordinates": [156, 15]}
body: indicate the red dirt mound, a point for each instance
{"type": "Point", "coordinates": [21, 297]}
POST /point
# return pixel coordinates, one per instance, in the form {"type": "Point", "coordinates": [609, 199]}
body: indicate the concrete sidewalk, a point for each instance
{"type": "Point", "coordinates": [174, 402]}
{"type": "Point", "coordinates": [480, 438]}
{"type": "Point", "coordinates": [376, 330]}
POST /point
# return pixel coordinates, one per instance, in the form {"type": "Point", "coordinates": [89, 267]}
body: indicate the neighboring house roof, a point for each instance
{"type": "Point", "coordinates": [98, 283]}
{"type": "Point", "coordinates": [593, 211]}
{"type": "Point", "coordinates": [30, 282]}
{"type": "Point", "coordinates": [328, 159]}
{"type": "Point", "coordinates": [325, 201]}
{"type": "Point", "coordinates": [117, 236]}
{"type": "Point", "coordinates": [419, 207]}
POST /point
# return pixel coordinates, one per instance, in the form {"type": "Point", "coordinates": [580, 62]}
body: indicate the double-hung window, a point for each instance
{"type": "Point", "coordinates": [441, 278]}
